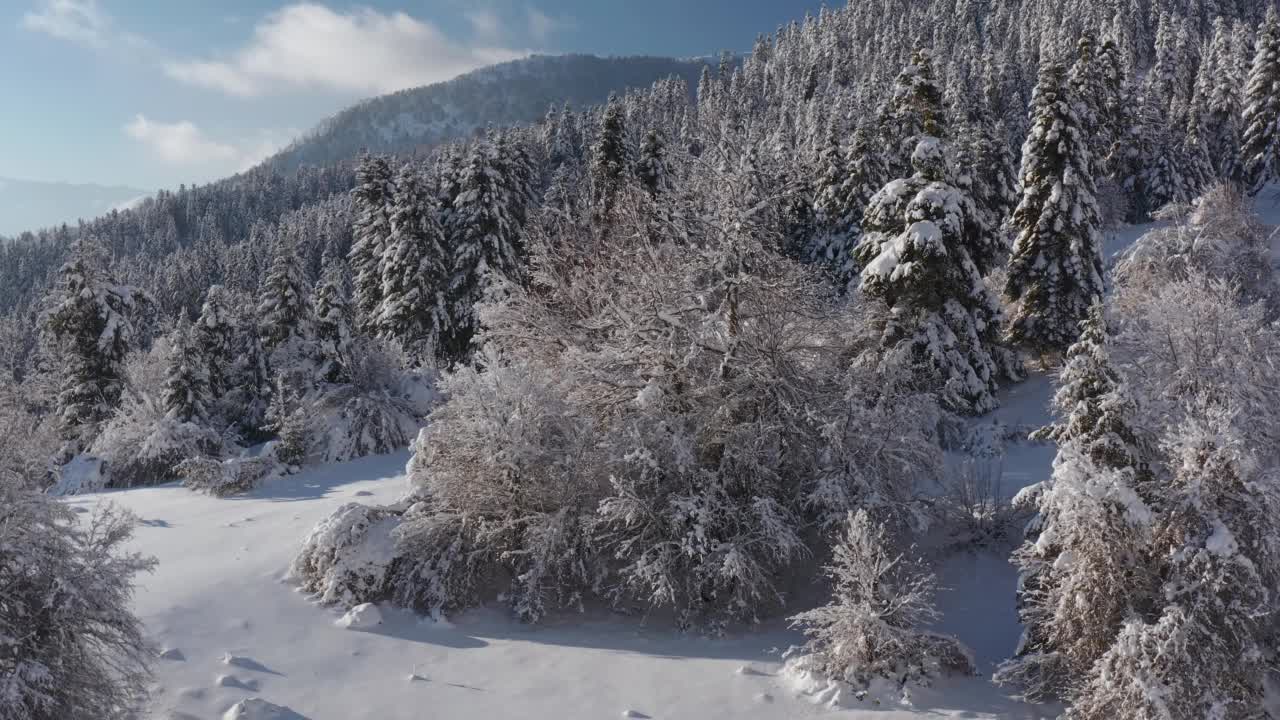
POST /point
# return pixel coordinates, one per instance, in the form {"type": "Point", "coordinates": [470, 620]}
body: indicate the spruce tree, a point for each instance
{"type": "Point", "coordinates": [333, 324]}
{"type": "Point", "coordinates": [215, 336]}
{"type": "Point", "coordinates": [415, 270]}
{"type": "Point", "coordinates": [651, 166]}
{"type": "Point", "coordinates": [90, 322]}
{"type": "Point", "coordinates": [915, 109]}
{"type": "Point", "coordinates": [484, 235]}
{"type": "Point", "coordinates": [1261, 121]}
{"type": "Point", "coordinates": [185, 394]}
{"type": "Point", "coordinates": [1055, 271]}
{"type": "Point", "coordinates": [1222, 106]}
{"type": "Point", "coordinates": [371, 201]}
{"type": "Point", "coordinates": [609, 157]}
{"type": "Point", "coordinates": [284, 303]}
{"type": "Point", "coordinates": [1094, 510]}
{"type": "Point", "coordinates": [922, 235]}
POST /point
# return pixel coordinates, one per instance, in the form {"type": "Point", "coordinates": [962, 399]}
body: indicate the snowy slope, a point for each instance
{"type": "Point", "coordinates": [236, 630]}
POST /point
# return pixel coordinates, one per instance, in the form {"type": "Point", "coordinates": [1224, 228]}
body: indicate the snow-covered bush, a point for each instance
{"type": "Point", "coordinates": [347, 557]}
{"type": "Point", "coordinates": [1221, 239]}
{"type": "Point", "coordinates": [30, 440]}
{"type": "Point", "coordinates": [507, 470]}
{"type": "Point", "coordinates": [142, 445]}
{"type": "Point", "coordinates": [874, 625]}
{"type": "Point", "coordinates": [225, 477]}
{"type": "Point", "coordinates": [974, 503]}
{"type": "Point", "coordinates": [70, 648]}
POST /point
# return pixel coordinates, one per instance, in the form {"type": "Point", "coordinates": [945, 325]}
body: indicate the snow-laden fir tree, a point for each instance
{"type": "Point", "coordinates": [484, 235]}
{"type": "Point", "coordinates": [1091, 512]}
{"type": "Point", "coordinates": [334, 316]}
{"type": "Point", "coordinates": [1261, 121]}
{"type": "Point", "coordinates": [1055, 270]}
{"type": "Point", "coordinates": [652, 168]}
{"type": "Point", "coordinates": [371, 201]}
{"type": "Point", "coordinates": [1089, 89]}
{"type": "Point", "coordinates": [838, 205]}
{"type": "Point", "coordinates": [876, 623]}
{"type": "Point", "coordinates": [988, 166]}
{"type": "Point", "coordinates": [90, 321]}
{"type": "Point", "coordinates": [1203, 652]}
{"type": "Point", "coordinates": [70, 646]}
{"type": "Point", "coordinates": [415, 271]}
{"type": "Point", "coordinates": [284, 302]}
{"type": "Point", "coordinates": [923, 253]}
{"type": "Point", "coordinates": [215, 334]}
{"type": "Point", "coordinates": [914, 110]}
{"type": "Point", "coordinates": [186, 392]}
{"type": "Point", "coordinates": [609, 157]}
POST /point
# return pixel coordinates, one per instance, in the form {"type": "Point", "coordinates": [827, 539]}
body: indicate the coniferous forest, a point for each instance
{"type": "Point", "coordinates": [718, 355]}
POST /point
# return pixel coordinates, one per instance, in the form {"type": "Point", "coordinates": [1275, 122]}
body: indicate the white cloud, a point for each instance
{"type": "Point", "coordinates": [542, 25]}
{"type": "Point", "coordinates": [80, 21]}
{"type": "Point", "coordinates": [484, 23]}
{"type": "Point", "coordinates": [184, 143]}
{"type": "Point", "coordinates": [307, 45]}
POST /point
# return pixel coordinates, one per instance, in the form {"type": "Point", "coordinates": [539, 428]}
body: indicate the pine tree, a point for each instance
{"type": "Point", "coordinates": [1222, 103]}
{"type": "Point", "coordinates": [1093, 510]}
{"type": "Point", "coordinates": [90, 321]}
{"type": "Point", "coordinates": [915, 110]}
{"type": "Point", "coordinates": [484, 236]}
{"type": "Point", "coordinates": [284, 304]}
{"type": "Point", "coordinates": [1261, 144]}
{"type": "Point", "coordinates": [186, 394]}
{"type": "Point", "coordinates": [1055, 271]}
{"type": "Point", "coordinates": [415, 271]}
{"type": "Point", "coordinates": [371, 200]}
{"type": "Point", "coordinates": [609, 157]}
{"type": "Point", "coordinates": [215, 337]}
{"type": "Point", "coordinates": [651, 166]}
{"type": "Point", "coordinates": [922, 236]}
{"type": "Point", "coordinates": [1203, 652]}
{"type": "Point", "coordinates": [333, 324]}
{"type": "Point", "coordinates": [1089, 89]}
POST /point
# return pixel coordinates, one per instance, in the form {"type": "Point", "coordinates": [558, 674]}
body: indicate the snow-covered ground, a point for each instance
{"type": "Point", "coordinates": [233, 628]}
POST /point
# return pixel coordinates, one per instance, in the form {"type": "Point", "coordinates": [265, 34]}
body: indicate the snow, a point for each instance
{"type": "Point", "coordinates": [219, 595]}
{"type": "Point", "coordinates": [364, 616]}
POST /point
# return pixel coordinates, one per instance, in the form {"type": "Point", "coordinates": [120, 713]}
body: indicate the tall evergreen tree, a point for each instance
{"type": "Point", "coordinates": [90, 321]}
{"type": "Point", "coordinates": [185, 394]}
{"type": "Point", "coordinates": [415, 270]}
{"type": "Point", "coordinates": [1055, 271]}
{"type": "Point", "coordinates": [915, 109]}
{"type": "Point", "coordinates": [483, 232]}
{"type": "Point", "coordinates": [333, 313]}
{"type": "Point", "coordinates": [609, 157]}
{"type": "Point", "coordinates": [215, 335]}
{"type": "Point", "coordinates": [920, 255]}
{"type": "Point", "coordinates": [371, 201]}
{"type": "Point", "coordinates": [651, 167]}
{"type": "Point", "coordinates": [1261, 140]}
{"type": "Point", "coordinates": [284, 304]}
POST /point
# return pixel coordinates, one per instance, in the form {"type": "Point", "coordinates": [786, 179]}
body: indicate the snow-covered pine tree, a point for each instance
{"type": "Point", "coordinates": [1091, 510]}
{"type": "Point", "coordinates": [90, 321]}
{"type": "Point", "coordinates": [484, 236]}
{"type": "Point", "coordinates": [1089, 90]}
{"type": "Point", "coordinates": [876, 624]}
{"type": "Point", "coordinates": [284, 303]}
{"type": "Point", "coordinates": [333, 323]}
{"type": "Point", "coordinates": [371, 202]}
{"type": "Point", "coordinates": [1055, 270]}
{"type": "Point", "coordinates": [415, 271]}
{"type": "Point", "coordinates": [185, 393]}
{"type": "Point", "coordinates": [651, 167]}
{"type": "Point", "coordinates": [914, 111]}
{"type": "Point", "coordinates": [920, 254]}
{"type": "Point", "coordinates": [215, 335]}
{"type": "Point", "coordinates": [1260, 151]}
{"type": "Point", "coordinates": [609, 157]}
{"type": "Point", "coordinates": [1203, 651]}
{"type": "Point", "coordinates": [989, 166]}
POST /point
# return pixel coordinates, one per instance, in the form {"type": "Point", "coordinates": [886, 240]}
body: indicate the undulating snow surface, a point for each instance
{"type": "Point", "coordinates": [235, 641]}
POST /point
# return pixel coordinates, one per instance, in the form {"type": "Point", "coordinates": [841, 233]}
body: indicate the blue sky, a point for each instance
{"type": "Point", "coordinates": [153, 93]}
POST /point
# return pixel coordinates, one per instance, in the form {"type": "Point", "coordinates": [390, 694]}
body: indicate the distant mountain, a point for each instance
{"type": "Point", "coordinates": [511, 93]}
{"type": "Point", "coordinates": [30, 205]}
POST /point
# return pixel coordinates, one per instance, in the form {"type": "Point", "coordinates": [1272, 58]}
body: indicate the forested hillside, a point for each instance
{"type": "Point", "coordinates": [681, 352]}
